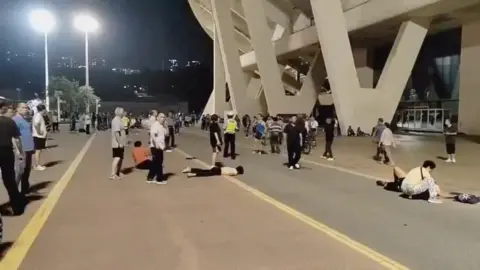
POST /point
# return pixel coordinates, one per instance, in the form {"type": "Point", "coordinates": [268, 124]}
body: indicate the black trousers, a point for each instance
{"type": "Point", "coordinates": [275, 143]}
{"type": "Point", "coordinates": [229, 144]}
{"type": "Point", "coordinates": [23, 176]}
{"type": "Point", "coordinates": [156, 170]}
{"type": "Point", "coordinates": [205, 172]}
{"type": "Point", "coordinates": [328, 149]}
{"type": "Point", "coordinates": [55, 126]}
{"type": "Point", "coordinates": [87, 129]}
{"type": "Point", "coordinates": [294, 152]}
{"type": "Point", "coordinates": [145, 165]}
{"type": "Point", "coordinates": [171, 137]}
{"type": "Point", "coordinates": [7, 165]}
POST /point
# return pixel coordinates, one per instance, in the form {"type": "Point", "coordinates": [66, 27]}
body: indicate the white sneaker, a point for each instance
{"type": "Point", "coordinates": [149, 181]}
{"type": "Point", "coordinates": [161, 182]}
{"type": "Point", "coordinates": [297, 166]}
{"type": "Point", "coordinates": [448, 160]}
{"type": "Point", "coordinates": [454, 160]}
{"type": "Point", "coordinates": [114, 177]}
{"type": "Point", "coordinates": [434, 200]}
{"type": "Point", "coordinates": [39, 168]}
{"type": "Point", "coordinates": [169, 151]}
{"type": "Point", "coordinates": [330, 159]}
{"type": "Point", "coordinates": [290, 168]}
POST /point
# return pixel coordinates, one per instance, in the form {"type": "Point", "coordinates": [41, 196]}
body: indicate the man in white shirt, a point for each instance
{"type": "Point", "coordinates": [39, 132]}
{"type": "Point", "coordinates": [118, 143]}
{"type": "Point", "coordinates": [158, 133]}
{"type": "Point", "coordinates": [387, 141]}
{"type": "Point", "coordinates": [88, 123]}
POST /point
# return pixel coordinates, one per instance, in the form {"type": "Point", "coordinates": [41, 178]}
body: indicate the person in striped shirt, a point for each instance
{"type": "Point", "coordinates": [275, 130]}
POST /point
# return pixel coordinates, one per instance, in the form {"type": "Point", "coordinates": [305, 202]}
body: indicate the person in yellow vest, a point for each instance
{"type": "Point", "coordinates": [126, 122]}
{"type": "Point", "coordinates": [230, 128]}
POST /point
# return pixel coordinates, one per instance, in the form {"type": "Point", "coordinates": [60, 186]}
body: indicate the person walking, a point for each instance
{"type": "Point", "coordinates": [329, 135]}
{"type": "Point", "coordinates": [230, 128]}
{"type": "Point", "coordinates": [170, 123]}
{"type": "Point", "coordinates": [294, 143]}
{"type": "Point", "coordinates": [10, 148]}
{"type": "Point", "coordinates": [215, 138]}
{"type": "Point", "coordinates": [275, 131]}
{"type": "Point", "coordinates": [118, 138]}
{"type": "Point", "coordinates": [376, 134]}
{"type": "Point", "coordinates": [88, 123]}
{"type": "Point", "coordinates": [26, 138]}
{"type": "Point", "coordinates": [387, 141]}
{"type": "Point", "coordinates": [55, 121]}
{"type": "Point", "coordinates": [158, 134]}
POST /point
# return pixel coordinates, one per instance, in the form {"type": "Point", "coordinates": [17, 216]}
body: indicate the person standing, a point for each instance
{"type": "Point", "coordinates": [126, 122]}
{"type": "Point", "coordinates": [26, 138]}
{"type": "Point", "coordinates": [294, 143]}
{"type": "Point", "coordinates": [387, 141]}
{"type": "Point", "coordinates": [10, 147]}
{"type": "Point", "coordinates": [158, 134]}
{"type": "Point", "coordinates": [230, 128]}
{"type": "Point", "coordinates": [118, 143]}
{"type": "Point", "coordinates": [39, 136]}
{"type": "Point", "coordinates": [88, 123]}
{"type": "Point", "coordinates": [94, 120]}
{"type": "Point", "coordinates": [215, 138]}
{"type": "Point", "coordinates": [55, 121]}
{"type": "Point", "coordinates": [376, 134]}
{"type": "Point", "coordinates": [329, 136]}
{"type": "Point", "coordinates": [246, 122]}
{"type": "Point", "coordinates": [450, 135]}
{"type": "Point", "coordinates": [275, 131]}
{"type": "Point", "coordinates": [170, 123]}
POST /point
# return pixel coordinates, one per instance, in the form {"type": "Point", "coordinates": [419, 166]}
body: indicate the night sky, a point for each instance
{"type": "Point", "coordinates": [135, 34]}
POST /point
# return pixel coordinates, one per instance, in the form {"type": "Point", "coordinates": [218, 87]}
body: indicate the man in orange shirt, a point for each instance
{"type": "Point", "coordinates": [141, 156]}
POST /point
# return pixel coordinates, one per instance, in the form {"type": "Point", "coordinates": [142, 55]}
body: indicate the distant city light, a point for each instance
{"type": "Point", "coordinates": [42, 21]}
{"type": "Point", "coordinates": [86, 23]}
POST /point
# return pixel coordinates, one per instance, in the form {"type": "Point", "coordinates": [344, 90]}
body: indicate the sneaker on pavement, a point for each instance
{"type": "Point", "coordinates": [290, 168]}
{"type": "Point", "coordinates": [114, 177]}
{"type": "Point", "coordinates": [448, 160]}
{"type": "Point", "coordinates": [297, 166]}
{"type": "Point", "coordinates": [434, 200]}
{"type": "Point", "coordinates": [161, 182]}
{"type": "Point", "coordinates": [330, 159]}
{"type": "Point", "coordinates": [150, 181]}
{"type": "Point", "coordinates": [39, 168]}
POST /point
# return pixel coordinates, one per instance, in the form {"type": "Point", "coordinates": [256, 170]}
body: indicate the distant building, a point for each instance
{"type": "Point", "coordinates": [126, 71]}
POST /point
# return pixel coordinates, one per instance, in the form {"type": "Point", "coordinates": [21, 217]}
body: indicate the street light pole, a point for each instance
{"type": "Point", "coordinates": [47, 98]}
{"type": "Point", "coordinates": [87, 64]}
{"type": "Point", "coordinates": [59, 100]}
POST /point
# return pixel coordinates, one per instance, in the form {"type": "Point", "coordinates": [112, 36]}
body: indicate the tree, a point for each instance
{"type": "Point", "coordinates": [75, 97]}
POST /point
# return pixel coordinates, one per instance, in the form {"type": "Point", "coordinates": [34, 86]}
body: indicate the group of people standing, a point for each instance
{"type": "Point", "coordinates": [21, 144]}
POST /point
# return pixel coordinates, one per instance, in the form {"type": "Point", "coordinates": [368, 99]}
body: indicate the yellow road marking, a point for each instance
{"type": "Point", "coordinates": [19, 250]}
{"type": "Point", "coordinates": [342, 238]}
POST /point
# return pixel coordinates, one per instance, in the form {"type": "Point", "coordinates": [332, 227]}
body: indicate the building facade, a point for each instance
{"type": "Point", "coordinates": [275, 56]}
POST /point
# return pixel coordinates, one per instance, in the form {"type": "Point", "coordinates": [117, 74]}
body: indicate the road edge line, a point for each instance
{"type": "Point", "coordinates": [19, 250]}
{"type": "Point", "coordinates": [342, 238]}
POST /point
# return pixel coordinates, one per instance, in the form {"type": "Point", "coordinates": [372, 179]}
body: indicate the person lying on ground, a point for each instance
{"type": "Point", "coordinates": [141, 156]}
{"type": "Point", "coordinates": [196, 172]}
{"type": "Point", "coordinates": [416, 184]}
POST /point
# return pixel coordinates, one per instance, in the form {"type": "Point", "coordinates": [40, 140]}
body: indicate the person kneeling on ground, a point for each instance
{"type": "Point", "coordinates": [141, 156]}
{"type": "Point", "coordinates": [416, 184]}
{"type": "Point", "coordinates": [196, 172]}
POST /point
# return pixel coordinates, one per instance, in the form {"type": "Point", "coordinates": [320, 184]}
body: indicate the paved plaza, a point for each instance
{"type": "Point", "coordinates": [319, 217]}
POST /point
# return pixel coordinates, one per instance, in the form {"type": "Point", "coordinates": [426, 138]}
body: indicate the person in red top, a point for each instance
{"type": "Point", "coordinates": [141, 156]}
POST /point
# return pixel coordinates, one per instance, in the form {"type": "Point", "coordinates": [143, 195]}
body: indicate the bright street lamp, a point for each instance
{"type": "Point", "coordinates": [87, 25]}
{"type": "Point", "coordinates": [43, 21]}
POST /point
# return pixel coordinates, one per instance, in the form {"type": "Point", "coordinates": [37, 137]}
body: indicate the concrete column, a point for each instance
{"type": "Point", "coordinates": [268, 67]}
{"type": "Point", "coordinates": [231, 59]}
{"type": "Point", "coordinates": [363, 65]}
{"type": "Point", "coordinates": [338, 57]}
{"type": "Point", "coordinates": [469, 111]}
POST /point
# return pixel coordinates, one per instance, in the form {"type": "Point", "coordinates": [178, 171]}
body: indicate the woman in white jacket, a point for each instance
{"type": "Point", "coordinates": [158, 133]}
{"type": "Point", "coordinates": [387, 141]}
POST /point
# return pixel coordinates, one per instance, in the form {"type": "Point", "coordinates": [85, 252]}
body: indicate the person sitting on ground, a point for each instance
{"type": "Point", "coordinates": [350, 132]}
{"type": "Point", "coordinates": [416, 184]}
{"type": "Point", "coordinates": [141, 156]}
{"type": "Point", "coordinates": [360, 133]}
{"type": "Point", "coordinates": [215, 171]}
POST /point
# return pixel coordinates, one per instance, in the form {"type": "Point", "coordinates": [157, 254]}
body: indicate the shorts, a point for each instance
{"type": "Point", "coordinates": [39, 143]}
{"type": "Point", "coordinates": [450, 148]}
{"type": "Point", "coordinates": [118, 152]}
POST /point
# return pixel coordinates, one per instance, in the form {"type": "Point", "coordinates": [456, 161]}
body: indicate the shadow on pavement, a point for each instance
{"type": "Point", "coordinates": [168, 175]}
{"type": "Point", "coordinates": [52, 163]}
{"type": "Point", "coordinates": [39, 186]}
{"type": "Point", "coordinates": [4, 247]}
{"type": "Point", "coordinates": [5, 209]}
{"type": "Point", "coordinates": [51, 146]}
{"type": "Point", "coordinates": [442, 158]}
{"type": "Point", "coordinates": [127, 170]}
